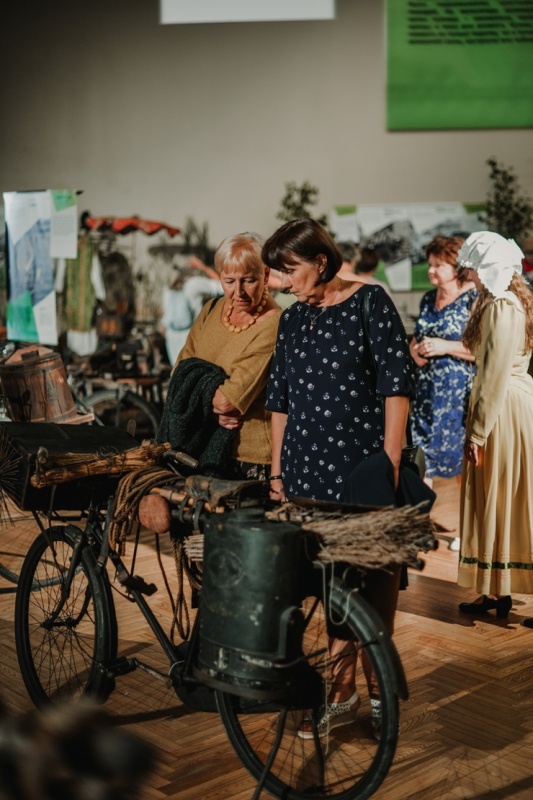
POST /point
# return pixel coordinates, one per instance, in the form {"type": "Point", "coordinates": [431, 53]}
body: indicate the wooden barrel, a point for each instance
{"type": "Point", "coordinates": [35, 388]}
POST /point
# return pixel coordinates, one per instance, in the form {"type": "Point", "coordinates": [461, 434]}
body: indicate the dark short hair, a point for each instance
{"type": "Point", "coordinates": [368, 262]}
{"type": "Point", "coordinates": [303, 239]}
{"type": "Point", "coordinates": [348, 250]}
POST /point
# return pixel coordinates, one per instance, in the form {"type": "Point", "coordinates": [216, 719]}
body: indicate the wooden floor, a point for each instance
{"type": "Point", "coordinates": [466, 731]}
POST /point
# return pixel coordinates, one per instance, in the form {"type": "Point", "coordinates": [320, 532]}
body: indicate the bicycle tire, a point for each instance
{"type": "Point", "coordinates": [354, 762]}
{"type": "Point", "coordinates": [116, 410]}
{"type": "Point", "coordinates": [66, 659]}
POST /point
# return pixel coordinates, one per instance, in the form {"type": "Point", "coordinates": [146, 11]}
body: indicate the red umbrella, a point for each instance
{"type": "Point", "coordinates": [125, 225]}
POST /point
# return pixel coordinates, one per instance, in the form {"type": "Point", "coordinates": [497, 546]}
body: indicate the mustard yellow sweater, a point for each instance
{"type": "Point", "coordinates": [245, 357]}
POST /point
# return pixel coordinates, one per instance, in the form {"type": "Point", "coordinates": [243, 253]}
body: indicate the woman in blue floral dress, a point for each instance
{"type": "Point", "coordinates": [445, 365]}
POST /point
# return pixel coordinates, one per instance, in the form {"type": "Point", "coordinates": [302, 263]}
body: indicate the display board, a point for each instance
{"type": "Point", "coordinates": [40, 227]}
{"type": "Point", "coordinates": [399, 232]}
{"type": "Point", "coordinates": [459, 64]}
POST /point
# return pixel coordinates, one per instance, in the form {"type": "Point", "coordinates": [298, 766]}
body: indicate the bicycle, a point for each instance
{"type": "Point", "coordinates": [66, 639]}
{"type": "Point", "coordinates": [116, 400]}
{"type": "Point", "coordinates": [124, 380]}
{"type": "Point", "coordinates": [115, 396]}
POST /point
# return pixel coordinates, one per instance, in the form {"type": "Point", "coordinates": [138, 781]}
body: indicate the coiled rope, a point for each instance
{"type": "Point", "coordinates": [131, 489]}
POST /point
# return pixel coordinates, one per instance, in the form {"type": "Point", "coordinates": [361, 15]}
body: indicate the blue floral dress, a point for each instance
{"type": "Point", "coordinates": [330, 378]}
{"type": "Point", "coordinates": [442, 387]}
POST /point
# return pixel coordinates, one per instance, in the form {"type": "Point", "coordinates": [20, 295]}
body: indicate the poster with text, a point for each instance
{"type": "Point", "coordinates": [459, 64]}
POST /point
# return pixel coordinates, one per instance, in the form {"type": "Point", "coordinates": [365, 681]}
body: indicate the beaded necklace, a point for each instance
{"type": "Point", "coordinates": [238, 328]}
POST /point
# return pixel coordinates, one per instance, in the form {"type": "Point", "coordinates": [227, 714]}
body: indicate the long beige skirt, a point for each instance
{"type": "Point", "coordinates": [497, 506]}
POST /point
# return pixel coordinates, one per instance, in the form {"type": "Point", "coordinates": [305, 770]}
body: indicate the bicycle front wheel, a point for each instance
{"type": "Point", "coordinates": [65, 635]}
{"type": "Point", "coordinates": [349, 762]}
{"type": "Point", "coordinates": [113, 408]}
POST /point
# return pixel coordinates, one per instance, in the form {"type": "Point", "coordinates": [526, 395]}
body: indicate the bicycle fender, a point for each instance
{"type": "Point", "coordinates": [374, 630]}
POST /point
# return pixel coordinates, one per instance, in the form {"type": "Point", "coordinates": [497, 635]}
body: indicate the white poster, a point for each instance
{"type": "Point", "coordinates": [40, 226]}
{"type": "Point", "coordinates": [400, 231]}
{"type": "Point", "coordinates": [64, 224]}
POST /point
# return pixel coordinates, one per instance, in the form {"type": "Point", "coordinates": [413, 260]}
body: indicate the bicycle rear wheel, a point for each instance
{"type": "Point", "coordinates": [347, 763]}
{"type": "Point", "coordinates": [113, 408]}
{"type": "Point", "coordinates": [65, 635]}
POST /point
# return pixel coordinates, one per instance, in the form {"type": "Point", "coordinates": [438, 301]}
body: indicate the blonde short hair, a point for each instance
{"type": "Point", "coordinates": [241, 252]}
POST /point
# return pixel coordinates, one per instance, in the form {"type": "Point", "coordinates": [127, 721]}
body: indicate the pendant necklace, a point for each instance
{"type": "Point", "coordinates": [314, 319]}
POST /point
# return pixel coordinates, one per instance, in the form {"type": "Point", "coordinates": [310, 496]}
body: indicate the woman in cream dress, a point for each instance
{"type": "Point", "coordinates": [496, 555]}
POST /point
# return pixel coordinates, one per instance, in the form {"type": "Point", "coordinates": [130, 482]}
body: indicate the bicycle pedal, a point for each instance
{"type": "Point", "coordinates": [123, 666]}
{"type": "Point", "coordinates": [134, 583]}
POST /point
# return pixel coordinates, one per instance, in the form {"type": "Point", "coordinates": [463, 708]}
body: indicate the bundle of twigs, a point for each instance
{"type": "Point", "coordinates": [51, 469]}
{"type": "Point", "coordinates": [371, 540]}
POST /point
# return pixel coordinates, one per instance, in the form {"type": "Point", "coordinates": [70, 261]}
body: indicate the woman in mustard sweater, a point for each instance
{"type": "Point", "coordinates": [238, 333]}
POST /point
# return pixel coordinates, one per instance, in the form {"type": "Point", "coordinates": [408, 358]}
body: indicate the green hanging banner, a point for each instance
{"type": "Point", "coordinates": [459, 64]}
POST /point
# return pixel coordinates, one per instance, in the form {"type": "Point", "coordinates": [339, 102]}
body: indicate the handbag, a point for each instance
{"type": "Point", "coordinates": [413, 455]}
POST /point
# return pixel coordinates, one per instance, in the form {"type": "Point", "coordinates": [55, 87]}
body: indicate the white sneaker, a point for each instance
{"type": "Point", "coordinates": [334, 715]}
{"type": "Point", "coordinates": [455, 544]}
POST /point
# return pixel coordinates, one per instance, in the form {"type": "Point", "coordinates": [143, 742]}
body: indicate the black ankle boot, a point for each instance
{"type": "Point", "coordinates": [528, 622]}
{"type": "Point", "coordinates": [502, 606]}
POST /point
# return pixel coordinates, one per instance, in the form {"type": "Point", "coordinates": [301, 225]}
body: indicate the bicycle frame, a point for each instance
{"type": "Point", "coordinates": [67, 638]}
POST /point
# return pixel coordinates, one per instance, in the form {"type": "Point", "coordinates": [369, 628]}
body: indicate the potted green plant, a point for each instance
{"type": "Point", "coordinates": [297, 203]}
{"type": "Point", "coordinates": [507, 211]}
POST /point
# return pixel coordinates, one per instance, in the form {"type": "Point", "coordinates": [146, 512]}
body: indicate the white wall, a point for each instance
{"type": "Point", "coordinates": [212, 120]}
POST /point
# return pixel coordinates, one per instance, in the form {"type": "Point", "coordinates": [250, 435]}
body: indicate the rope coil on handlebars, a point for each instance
{"type": "Point", "coordinates": [131, 489]}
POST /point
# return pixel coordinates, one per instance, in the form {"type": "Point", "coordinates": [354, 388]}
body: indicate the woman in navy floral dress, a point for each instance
{"type": "Point", "coordinates": [445, 365]}
{"type": "Point", "coordinates": [339, 392]}
{"type": "Point", "coordinates": [323, 379]}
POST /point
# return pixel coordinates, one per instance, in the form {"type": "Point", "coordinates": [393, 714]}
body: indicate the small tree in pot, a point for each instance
{"type": "Point", "coordinates": [297, 201]}
{"type": "Point", "coordinates": [507, 212]}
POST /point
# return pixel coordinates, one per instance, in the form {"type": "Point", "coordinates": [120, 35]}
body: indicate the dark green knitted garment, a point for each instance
{"type": "Point", "coordinates": [188, 422]}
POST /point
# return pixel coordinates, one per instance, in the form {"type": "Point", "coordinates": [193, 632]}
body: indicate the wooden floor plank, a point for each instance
{"type": "Point", "coordinates": [466, 730]}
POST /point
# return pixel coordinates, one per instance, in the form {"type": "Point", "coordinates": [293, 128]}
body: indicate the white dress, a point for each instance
{"type": "Point", "coordinates": [177, 320]}
{"type": "Point", "coordinates": [497, 496]}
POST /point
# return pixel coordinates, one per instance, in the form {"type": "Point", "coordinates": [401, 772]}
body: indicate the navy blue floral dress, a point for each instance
{"type": "Point", "coordinates": [442, 387]}
{"type": "Point", "coordinates": [323, 377]}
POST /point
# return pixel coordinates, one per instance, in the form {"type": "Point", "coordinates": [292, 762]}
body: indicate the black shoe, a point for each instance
{"type": "Point", "coordinates": [502, 606]}
{"type": "Point", "coordinates": [528, 622]}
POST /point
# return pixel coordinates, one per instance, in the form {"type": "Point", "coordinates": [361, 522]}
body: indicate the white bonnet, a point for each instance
{"type": "Point", "coordinates": [494, 258]}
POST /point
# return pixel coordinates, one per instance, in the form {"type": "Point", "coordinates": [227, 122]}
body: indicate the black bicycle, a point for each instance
{"type": "Point", "coordinates": [122, 382]}
{"type": "Point", "coordinates": [263, 663]}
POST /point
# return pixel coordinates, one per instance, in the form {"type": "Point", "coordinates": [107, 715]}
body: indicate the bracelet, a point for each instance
{"type": "Point", "coordinates": [276, 478]}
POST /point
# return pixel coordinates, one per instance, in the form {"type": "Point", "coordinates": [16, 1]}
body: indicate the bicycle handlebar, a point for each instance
{"type": "Point", "coordinates": [180, 457]}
